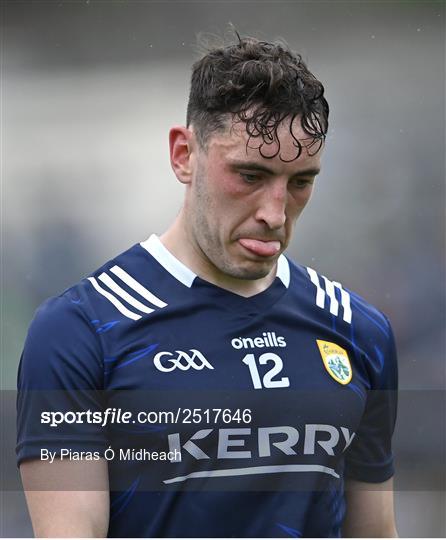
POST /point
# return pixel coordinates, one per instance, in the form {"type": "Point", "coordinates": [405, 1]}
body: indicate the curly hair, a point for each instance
{"type": "Point", "coordinates": [260, 84]}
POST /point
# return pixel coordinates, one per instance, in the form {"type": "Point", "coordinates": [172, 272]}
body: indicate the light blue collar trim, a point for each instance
{"type": "Point", "coordinates": [170, 263]}
{"type": "Point", "coordinates": [185, 275]}
{"type": "Point", "coordinates": [283, 270]}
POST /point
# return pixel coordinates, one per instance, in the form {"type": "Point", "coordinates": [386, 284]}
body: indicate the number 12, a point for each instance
{"type": "Point", "coordinates": [268, 382]}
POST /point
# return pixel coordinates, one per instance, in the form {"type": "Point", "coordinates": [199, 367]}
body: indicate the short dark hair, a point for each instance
{"type": "Point", "coordinates": [260, 84]}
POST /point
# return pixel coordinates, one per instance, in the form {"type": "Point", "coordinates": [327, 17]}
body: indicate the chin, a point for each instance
{"type": "Point", "coordinates": [251, 271]}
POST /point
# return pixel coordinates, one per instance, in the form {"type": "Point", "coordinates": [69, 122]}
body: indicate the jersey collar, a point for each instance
{"type": "Point", "coordinates": [185, 275]}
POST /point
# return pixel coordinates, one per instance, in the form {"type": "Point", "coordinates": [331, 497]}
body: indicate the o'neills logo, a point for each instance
{"type": "Point", "coordinates": [267, 339]}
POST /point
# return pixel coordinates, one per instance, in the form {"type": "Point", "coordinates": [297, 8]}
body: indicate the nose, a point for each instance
{"type": "Point", "coordinates": [272, 205]}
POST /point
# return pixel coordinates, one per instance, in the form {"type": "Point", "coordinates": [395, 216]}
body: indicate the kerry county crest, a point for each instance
{"type": "Point", "coordinates": [336, 361]}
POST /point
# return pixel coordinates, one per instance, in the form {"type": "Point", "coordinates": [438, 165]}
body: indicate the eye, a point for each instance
{"type": "Point", "coordinates": [302, 183]}
{"type": "Point", "coordinates": [250, 178]}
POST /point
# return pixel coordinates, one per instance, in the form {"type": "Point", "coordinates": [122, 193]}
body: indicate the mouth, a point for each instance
{"type": "Point", "coordinates": [261, 248]}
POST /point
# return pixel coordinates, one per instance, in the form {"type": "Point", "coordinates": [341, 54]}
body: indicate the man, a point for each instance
{"type": "Point", "coordinates": [282, 380]}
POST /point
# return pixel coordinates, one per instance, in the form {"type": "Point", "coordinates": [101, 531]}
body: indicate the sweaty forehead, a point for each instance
{"type": "Point", "coordinates": [288, 143]}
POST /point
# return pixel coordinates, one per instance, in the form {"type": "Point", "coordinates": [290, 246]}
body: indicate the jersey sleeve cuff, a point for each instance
{"type": "Point", "coordinates": [370, 472]}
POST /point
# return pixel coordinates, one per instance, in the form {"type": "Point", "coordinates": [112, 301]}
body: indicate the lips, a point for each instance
{"type": "Point", "coordinates": [262, 248]}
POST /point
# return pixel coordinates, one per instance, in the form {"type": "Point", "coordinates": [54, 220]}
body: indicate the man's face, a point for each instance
{"type": "Point", "coordinates": [241, 206]}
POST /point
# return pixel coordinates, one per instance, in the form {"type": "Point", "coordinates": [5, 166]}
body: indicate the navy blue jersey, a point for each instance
{"type": "Point", "coordinates": [254, 410]}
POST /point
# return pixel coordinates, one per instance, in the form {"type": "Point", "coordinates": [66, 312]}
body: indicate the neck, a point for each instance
{"type": "Point", "coordinates": [179, 241]}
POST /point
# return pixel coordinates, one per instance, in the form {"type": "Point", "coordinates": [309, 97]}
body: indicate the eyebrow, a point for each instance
{"type": "Point", "coordinates": [253, 166]}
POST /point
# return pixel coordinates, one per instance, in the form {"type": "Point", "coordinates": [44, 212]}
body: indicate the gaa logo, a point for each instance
{"type": "Point", "coordinates": [182, 360]}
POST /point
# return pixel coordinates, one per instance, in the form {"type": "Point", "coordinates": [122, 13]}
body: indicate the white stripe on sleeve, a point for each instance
{"type": "Point", "coordinates": [136, 286]}
{"type": "Point", "coordinates": [320, 294]}
{"type": "Point", "coordinates": [123, 294]}
{"type": "Point", "coordinates": [345, 302]}
{"type": "Point", "coordinates": [334, 304]}
{"type": "Point", "coordinates": [118, 305]}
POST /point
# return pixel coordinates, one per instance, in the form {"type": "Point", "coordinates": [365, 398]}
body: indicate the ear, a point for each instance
{"type": "Point", "coordinates": [182, 155]}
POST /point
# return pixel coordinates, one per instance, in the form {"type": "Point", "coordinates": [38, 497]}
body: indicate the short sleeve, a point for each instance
{"type": "Point", "coordinates": [60, 370]}
{"type": "Point", "coordinates": [370, 457]}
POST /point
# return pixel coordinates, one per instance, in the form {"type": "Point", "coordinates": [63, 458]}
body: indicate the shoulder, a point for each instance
{"type": "Point", "coordinates": [61, 349]}
{"type": "Point", "coordinates": [121, 291]}
{"type": "Point", "coordinates": [337, 307]}
{"type": "Point", "coordinates": [114, 292]}
{"type": "Point", "coordinates": [78, 302]}
{"type": "Point", "coordinates": [345, 318]}
{"type": "Point", "coordinates": [334, 297]}
{"type": "Point", "coordinates": [64, 342]}
{"type": "Point", "coordinates": [127, 287]}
